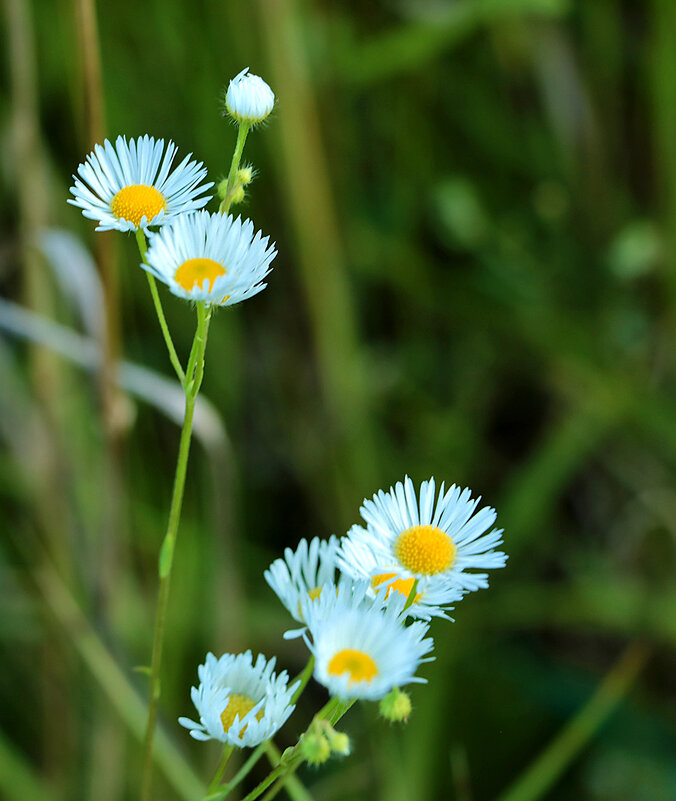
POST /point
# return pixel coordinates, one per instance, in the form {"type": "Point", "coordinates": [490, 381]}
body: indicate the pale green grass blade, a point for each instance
{"type": "Point", "coordinates": [544, 772]}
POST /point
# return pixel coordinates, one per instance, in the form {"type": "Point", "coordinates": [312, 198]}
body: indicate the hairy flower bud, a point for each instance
{"type": "Point", "coordinates": [339, 742]}
{"type": "Point", "coordinates": [396, 706]}
{"type": "Point", "coordinates": [249, 99]}
{"type": "Point", "coordinates": [315, 748]}
{"type": "Point", "coordinates": [245, 175]}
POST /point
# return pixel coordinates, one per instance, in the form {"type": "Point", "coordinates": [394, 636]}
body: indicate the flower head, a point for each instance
{"type": "Point", "coordinates": [129, 186]}
{"type": "Point", "coordinates": [249, 99]}
{"type": "Point", "coordinates": [239, 702]}
{"type": "Point", "coordinates": [360, 645]}
{"type": "Point", "coordinates": [210, 257]}
{"type": "Point", "coordinates": [302, 574]}
{"type": "Point", "coordinates": [416, 538]}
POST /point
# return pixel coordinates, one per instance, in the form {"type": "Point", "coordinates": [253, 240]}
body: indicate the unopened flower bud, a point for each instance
{"type": "Point", "coordinates": [339, 742]}
{"type": "Point", "coordinates": [396, 706]}
{"type": "Point", "coordinates": [223, 188]}
{"type": "Point", "coordinates": [237, 194]}
{"type": "Point", "coordinates": [249, 99]}
{"type": "Point", "coordinates": [245, 175]}
{"type": "Point", "coordinates": [315, 748]}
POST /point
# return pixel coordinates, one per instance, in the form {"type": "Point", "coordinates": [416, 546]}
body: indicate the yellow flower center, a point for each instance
{"type": "Point", "coordinates": [137, 201]}
{"type": "Point", "coordinates": [194, 272]}
{"type": "Point", "coordinates": [404, 586]}
{"type": "Point", "coordinates": [238, 704]}
{"type": "Point", "coordinates": [425, 550]}
{"type": "Point", "coordinates": [312, 594]}
{"type": "Point", "coordinates": [357, 664]}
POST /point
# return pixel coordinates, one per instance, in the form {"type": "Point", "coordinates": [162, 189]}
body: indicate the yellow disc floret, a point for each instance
{"type": "Point", "coordinates": [424, 550]}
{"type": "Point", "coordinates": [404, 586]}
{"type": "Point", "coordinates": [238, 704]}
{"type": "Point", "coordinates": [137, 201]}
{"type": "Point", "coordinates": [194, 272]}
{"type": "Point", "coordinates": [357, 664]}
{"type": "Point", "coordinates": [312, 594]}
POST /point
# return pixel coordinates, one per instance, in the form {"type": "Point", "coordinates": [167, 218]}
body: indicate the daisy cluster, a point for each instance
{"type": "Point", "coordinates": [133, 185]}
{"type": "Point", "coordinates": [363, 605]}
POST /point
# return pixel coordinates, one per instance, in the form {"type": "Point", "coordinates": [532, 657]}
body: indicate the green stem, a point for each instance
{"type": "Point", "coordinates": [241, 774]}
{"type": "Point", "coordinates": [411, 596]}
{"type": "Point", "coordinates": [220, 770]}
{"type": "Point", "coordinates": [242, 132]}
{"type": "Point", "coordinates": [292, 761]}
{"type": "Point", "coordinates": [294, 787]}
{"type": "Point", "coordinates": [333, 711]}
{"type": "Point", "coordinates": [203, 319]}
{"type": "Point", "coordinates": [304, 677]}
{"type": "Point", "coordinates": [173, 356]}
{"type": "Point", "coordinates": [168, 546]}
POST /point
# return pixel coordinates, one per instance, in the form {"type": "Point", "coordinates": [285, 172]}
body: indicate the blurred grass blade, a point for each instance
{"type": "Point", "coordinates": [304, 166]}
{"type": "Point", "coordinates": [18, 780]}
{"type": "Point", "coordinates": [123, 697]}
{"type": "Point", "coordinates": [533, 490]}
{"type": "Point", "coordinates": [413, 45]}
{"type": "Point", "coordinates": [77, 276]}
{"type": "Point", "coordinates": [543, 773]}
{"type": "Point", "coordinates": [162, 393]}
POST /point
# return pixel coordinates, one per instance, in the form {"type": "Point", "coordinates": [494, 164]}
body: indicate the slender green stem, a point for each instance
{"type": "Point", "coordinates": [194, 382]}
{"type": "Point", "coordinates": [173, 356]}
{"type": "Point", "coordinates": [294, 787]}
{"type": "Point", "coordinates": [333, 711]}
{"type": "Point", "coordinates": [304, 677]}
{"type": "Point", "coordinates": [241, 774]}
{"type": "Point", "coordinates": [341, 709]}
{"type": "Point", "coordinates": [411, 596]}
{"type": "Point", "coordinates": [220, 770]}
{"type": "Point", "coordinates": [242, 132]}
{"type": "Point", "coordinates": [294, 760]}
{"type": "Point", "coordinates": [169, 544]}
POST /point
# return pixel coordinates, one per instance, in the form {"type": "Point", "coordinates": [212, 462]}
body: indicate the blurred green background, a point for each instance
{"type": "Point", "coordinates": [474, 204]}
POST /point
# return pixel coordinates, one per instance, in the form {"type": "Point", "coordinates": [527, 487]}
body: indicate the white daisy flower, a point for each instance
{"type": "Point", "coordinates": [239, 702]}
{"type": "Point", "coordinates": [210, 257]}
{"type": "Point", "coordinates": [435, 543]}
{"type": "Point", "coordinates": [302, 574]}
{"type": "Point", "coordinates": [249, 99]}
{"type": "Point", "coordinates": [360, 645]}
{"type": "Point", "coordinates": [128, 186]}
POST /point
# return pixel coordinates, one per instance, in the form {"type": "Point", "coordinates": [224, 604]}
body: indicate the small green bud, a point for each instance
{"type": "Point", "coordinates": [315, 748]}
{"type": "Point", "coordinates": [245, 175]}
{"type": "Point", "coordinates": [396, 706]}
{"type": "Point", "coordinates": [237, 194]}
{"type": "Point", "coordinates": [339, 742]}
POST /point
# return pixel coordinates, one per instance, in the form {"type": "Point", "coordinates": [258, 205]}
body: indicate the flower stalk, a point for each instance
{"type": "Point", "coordinates": [173, 356]}
{"type": "Point", "coordinates": [242, 132]}
{"type": "Point", "coordinates": [191, 385]}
